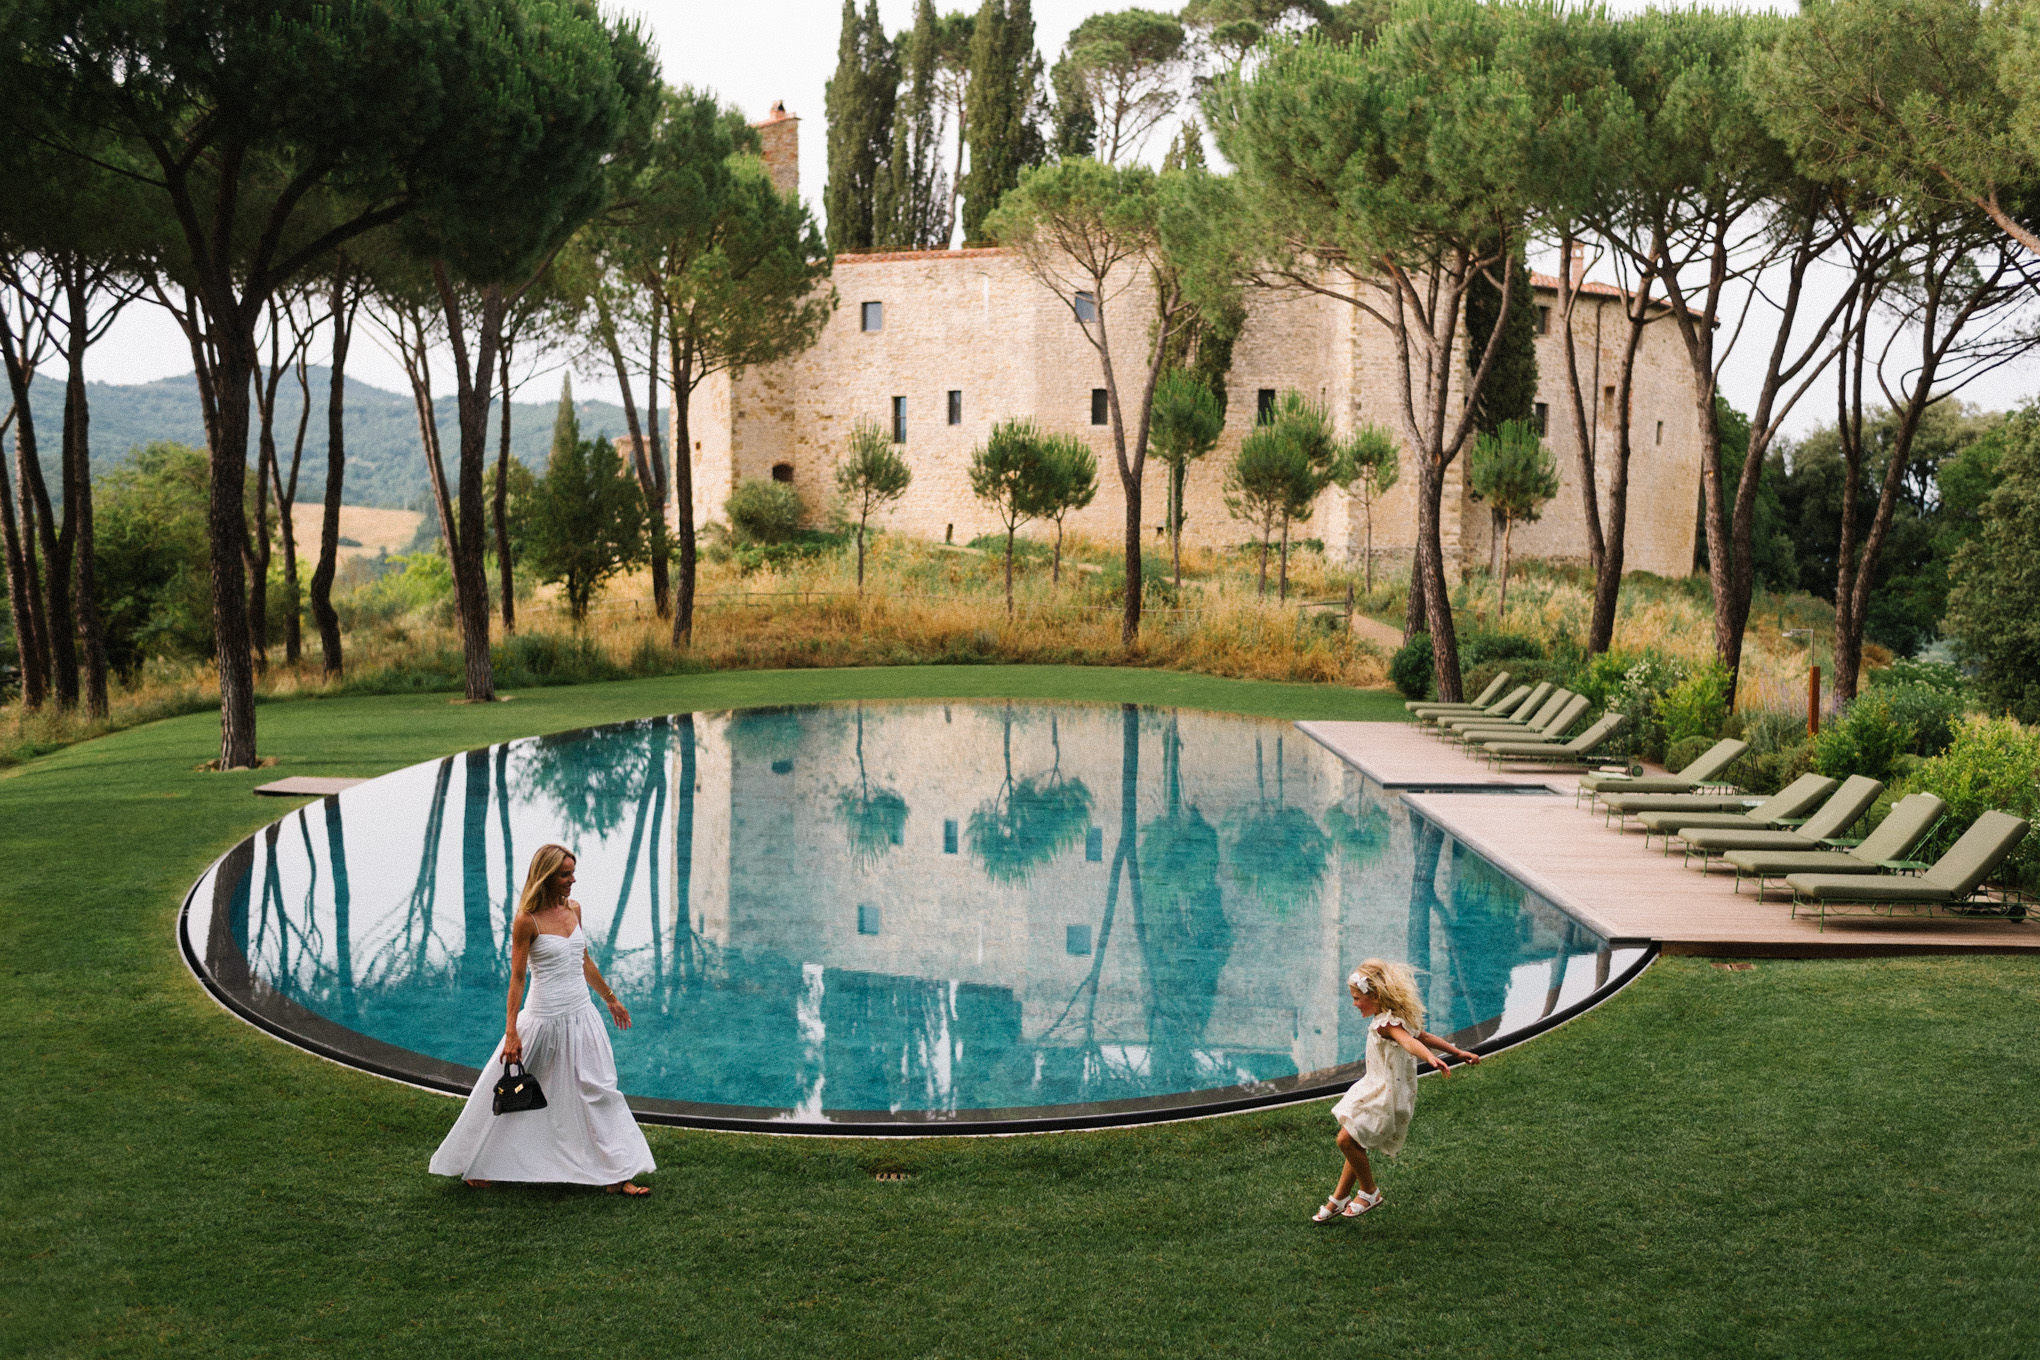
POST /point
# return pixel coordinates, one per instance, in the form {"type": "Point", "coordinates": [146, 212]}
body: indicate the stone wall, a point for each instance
{"type": "Point", "coordinates": [976, 322]}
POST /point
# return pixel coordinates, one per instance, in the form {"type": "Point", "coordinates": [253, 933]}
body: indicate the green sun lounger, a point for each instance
{"type": "Point", "coordinates": [1843, 809]}
{"type": "Point", "coordinates": [1705, 769]}
{"type": "Point", "coordinates": [1949, 886]}
{"type": "Point", "coordinates": [1885, 850]}
{"type": "Point", "coordinates": [1790, 803]}
{"type": "Point", "coordinates": [1623, 806]}
{"type": "Point", "coordinates": [1581, 750]}
{"type": "Point", "coordinates": [1559, 712]}
{"type": "Point", "coordinates": [1481, 700]}
{"type": "Point", "coordinates": [1536, 709]}
{"type": "Point", "coordinates": [1520, 711]}
{"type": "Point", "coordinates": [1500, 708]}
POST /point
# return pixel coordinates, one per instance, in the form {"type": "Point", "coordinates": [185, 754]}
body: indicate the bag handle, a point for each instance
{"type": "Point", "coordinates": [517, 1063]}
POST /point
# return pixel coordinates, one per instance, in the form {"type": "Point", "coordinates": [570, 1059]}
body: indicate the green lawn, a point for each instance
{"type": "Point", "coordinates": [1812, 1158]}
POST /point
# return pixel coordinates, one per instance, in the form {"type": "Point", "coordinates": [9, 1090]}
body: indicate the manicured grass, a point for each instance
{"type": "Point", "coordinates": [1806, 1159]}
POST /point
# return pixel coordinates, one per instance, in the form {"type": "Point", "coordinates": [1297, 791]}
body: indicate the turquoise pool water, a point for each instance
{"type": "Point", "coordinates": [913, 914]}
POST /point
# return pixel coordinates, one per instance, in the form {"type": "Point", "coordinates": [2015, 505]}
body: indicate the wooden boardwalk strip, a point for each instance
{"type": "Point", "coordinates": [1610, 882]}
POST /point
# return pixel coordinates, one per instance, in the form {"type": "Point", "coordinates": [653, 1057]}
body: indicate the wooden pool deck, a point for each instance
{"type": "Point", "coordinates": [1608, 880]}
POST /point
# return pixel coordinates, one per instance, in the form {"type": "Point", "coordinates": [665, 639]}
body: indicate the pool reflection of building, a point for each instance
{"type": "Point", "coordinates": [1115, 900]}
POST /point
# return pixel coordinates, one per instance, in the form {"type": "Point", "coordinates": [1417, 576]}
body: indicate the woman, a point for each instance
{"type": "Point", "coordinates": [585, 1135]}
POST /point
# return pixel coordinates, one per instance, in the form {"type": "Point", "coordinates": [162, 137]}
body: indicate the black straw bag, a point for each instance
{"type": "Point", "coordinates": [517, 1090]}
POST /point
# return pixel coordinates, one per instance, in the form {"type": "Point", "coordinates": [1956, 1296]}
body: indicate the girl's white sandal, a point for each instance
{"type": "Point", "coordinates": [1361, 1203]}
{"type": "Point", "coordinates": [1331, 1209]}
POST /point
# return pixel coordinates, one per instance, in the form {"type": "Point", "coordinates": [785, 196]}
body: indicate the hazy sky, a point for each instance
{"type": "Point", "coordinates": [754, 52]}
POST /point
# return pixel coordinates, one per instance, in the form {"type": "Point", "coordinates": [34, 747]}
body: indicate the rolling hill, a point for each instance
{"type": "Point", "coordinates": [385, 461]}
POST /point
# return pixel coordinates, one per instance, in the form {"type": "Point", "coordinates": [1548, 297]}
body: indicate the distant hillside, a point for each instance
{"type": "Point", "coordinates": [385, 462]}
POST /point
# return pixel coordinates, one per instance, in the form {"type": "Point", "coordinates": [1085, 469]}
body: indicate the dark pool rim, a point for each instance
{"type": "Point", "coordinates": [281, 1018]}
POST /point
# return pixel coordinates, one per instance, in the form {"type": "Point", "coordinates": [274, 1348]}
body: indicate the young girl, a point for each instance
{"type": "Point", "coordinates": [1375, 1111]}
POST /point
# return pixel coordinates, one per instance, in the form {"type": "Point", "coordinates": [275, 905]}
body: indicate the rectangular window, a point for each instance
{"type": "Point", "coordinates": [899, 420]}
{"type": "Point", "coordinates": [1094, 844]}
{"type": "Point", "coordinates": [1541, 418]}
{"type": "Point", "coordinates": [1101, 407]}
{"type": "Point", "coordinates": [874, 316]}
{"type": "Point", "coordinates": [1264, 406]}
{"type": "Point", "coordinates": [955, 408]}
{"type": "Point", "coordinates": [1544, 320]}
{"type": "Point", "coordinates": [1077, 939]}
{"type": "Point", "coordinates": [949, 836]}
{"type": "Point", "coordinates": [1660, 432]}
{"type": "Point", "coordinates": [1087, 307]}
{"type": "Point", "coordinates": [867, 920]}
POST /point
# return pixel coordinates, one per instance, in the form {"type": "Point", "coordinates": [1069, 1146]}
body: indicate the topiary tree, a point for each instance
{"type": "Point", "coordinates": [871, 478]}
{"type": "Point", "coordinates": [1070, 483]}
{"type": "Point", "coordinates": [1369, 466]}
{"type": "Point", "coordinates": [1515, 474]}
{"type": "Point", "coordinates": [1188, 419]}
{"type": "Point", "coordinates": [584, 521]}
{"type": "Point", "coordinates": [1277, 475]}
{"type": "Point", "coordinates": [1009, 473]}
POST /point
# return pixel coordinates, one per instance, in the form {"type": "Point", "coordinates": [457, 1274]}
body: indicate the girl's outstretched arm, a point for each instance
{"type": "Point", "coordinates": [1415, 1048]}
{"type": "Point", "coordinates": [1440, 1041]}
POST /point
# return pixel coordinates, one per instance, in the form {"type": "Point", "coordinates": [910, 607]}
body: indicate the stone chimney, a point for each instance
{"type": "Point", "coordinates": [779, 136]}
{"type": "Point", "coordinates": [1576, 267]}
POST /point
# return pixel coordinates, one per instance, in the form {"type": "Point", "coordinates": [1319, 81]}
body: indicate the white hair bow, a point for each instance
{"type": "Point", "coordinates": [1359, 983]}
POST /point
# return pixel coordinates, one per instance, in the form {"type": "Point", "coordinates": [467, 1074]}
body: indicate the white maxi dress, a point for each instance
{"type": "Point", "coordinates": [585, 1135]}
{"type": "Point", "coordinates": [1376, 1109]}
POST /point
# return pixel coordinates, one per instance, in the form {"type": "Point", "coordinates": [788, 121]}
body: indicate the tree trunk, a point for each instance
{"type": "Point", "coordinates": [1055, 575]}
{"type": "Point", "coordinates": [1584, 430]}
{"type": "Point", "coordinates": [1367, 567]}
{"type": "Point", "coordinates": [78, 497]}
{"type": "Point", "coordinates": [1282, 593]}
{"type": "Point", "coordinates": [472, 397]}
{"type": "Point", "coordinates": [640, 458]}
{"type": "Point", "coordinates": [1608, 575]}
{"type": "Point", "coordinates": [1009, 572]}
{"type": "Point", "coordinates": [59, 625]}
{"type": "Point", "coordinates": [1176, 477]}
{"type": "Point", "coordinates": [323, 613]}
{"type": "Point", "coordinates": [226, 541]}
{"type": "Point", "coordinates": [1429, 568]}
{"type": "Point", "coordinates": [501, 505]}
{"type": "Point", "coordinates": [860, 551]}
{"type": "Point", "coordinates": [20, 599]}
{"type": "Point", "coordinates": [257, 559]}
{"type": "Point", "coordinates": [662, 545]}
{"type": "Point", "coordinates": [680, 390]}
{"type": "Point", "coordinates": [1267, 531]}
{"type": "Point", "coordinates": [1508, 529]}
{"type": "Point", "coordinates": [286, 505]}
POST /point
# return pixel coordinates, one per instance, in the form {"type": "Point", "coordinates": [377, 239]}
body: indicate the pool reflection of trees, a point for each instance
{"type": "Point", "coordinates": [874, 1040]}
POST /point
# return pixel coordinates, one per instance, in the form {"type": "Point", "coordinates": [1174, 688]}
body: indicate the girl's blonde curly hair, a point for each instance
{"type": "Point", "coordinates": [1396, 987]}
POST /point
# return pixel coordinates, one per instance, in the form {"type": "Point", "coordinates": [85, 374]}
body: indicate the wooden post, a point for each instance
{"type": "Point", "coordinates": [1349, 606]}
{"type": "Point", "coordinates": [1813, 701]}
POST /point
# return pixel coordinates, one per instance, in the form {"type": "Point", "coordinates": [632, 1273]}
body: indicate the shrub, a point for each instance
{"type": "Point", "coordinates": [1863, 740]}
{"type": "Point", "coordinates": [1697, 706]}
{"type": "Point", "coordinates": [764, 512]}
{"type": "Point", "coordinates": [1411, 667]}
{"type": "Point", "coordinates": [538, 659]}
{"type": "Point", "coordinates": [1770, 730]}
{"type": "Point", "coordinates": [1685, 751]}
{"type": "Point", "coordinates": [1645, 683]}
{"type": "Point", "coordinates": [1935, 675]}
{"type": "Point", "coordinates": [1773, 770]}
{"type": "Point", "coordinates": [1933, 714]}
{"type": "Point", "coordinates": [1520, 673]}
{"type": "Point", "coordinates": [1481, 648]}
{"type": "Point", "coordinates": [1992, 764]}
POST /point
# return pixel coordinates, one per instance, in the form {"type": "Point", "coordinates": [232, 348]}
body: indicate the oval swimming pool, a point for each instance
{"type": "Point", "coordinates": [896, 917]}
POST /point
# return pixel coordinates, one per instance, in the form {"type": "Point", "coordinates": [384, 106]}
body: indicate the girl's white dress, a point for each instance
{"type": "Point", "coordinates": [585, 1135]}
{"type": "Point", "coordinates": [1376, 1109]}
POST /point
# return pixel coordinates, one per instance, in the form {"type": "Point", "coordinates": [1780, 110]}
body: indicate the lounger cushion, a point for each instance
{"type": "Point", "coordinates": [1676, 822]}
{"type": "Point", "coordinates": [1777, 863]}
{"type": "Point", "coordinates": [1866, 888]}
{"type": "Point", "coordinates": [1748, 840]}
{"type": "Point", "coordinates": [1630, 804]}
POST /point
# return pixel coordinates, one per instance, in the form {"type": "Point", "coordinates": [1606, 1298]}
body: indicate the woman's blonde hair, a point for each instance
{"type": "Point", "coordinates": [1396, 988]}
{"type": "Point", "coordinates": [544, 864]}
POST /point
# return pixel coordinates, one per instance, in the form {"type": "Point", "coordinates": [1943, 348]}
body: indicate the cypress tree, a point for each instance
{"type": "Point", "coordinates": [1004, 128]}
{"type": "Point", "coordinates": [1510, 392]}
{"type": "Point", "coordinates": [913, 193]}
{"type": "Point", "coordinates": [859, 102]}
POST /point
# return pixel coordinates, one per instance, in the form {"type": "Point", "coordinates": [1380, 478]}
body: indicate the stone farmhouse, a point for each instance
{"type": "Point", "coordinates": [939, 345]}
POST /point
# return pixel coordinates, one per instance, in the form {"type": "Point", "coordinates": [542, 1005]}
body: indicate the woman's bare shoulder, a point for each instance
{"type": "Point", "coordinates": [523, 928]}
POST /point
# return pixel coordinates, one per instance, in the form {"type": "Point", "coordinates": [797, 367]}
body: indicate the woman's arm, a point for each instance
{"type": "Point", "coordinates": [1415, 1048]}
{"type": "Point", "coordinates": [520, 958]}
{"type": "Point", "coordinates": [595, 980]}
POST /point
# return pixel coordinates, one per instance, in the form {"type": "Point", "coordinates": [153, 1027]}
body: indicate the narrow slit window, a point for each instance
{"type": "Point", "coordinates": [1087, 307]}
{"type": "Point", "coordinates": [1541, 417]}
{"type": "Point", "coordinates": [1094, 844]}
{"type": "Point", "coordinates": [1101, 408]}
{"type": "Point", "coordinates": [899, 420]}
{"type": "Point", "coordinates": [867, 920]}
{"type": "Point", "coordinates": [1660, 432]}
{"type": "Point", "coordinates": [949, 835]}
{"type": "Point", "coordinates": [955, 407]}
{"type": "Point", "coordinates": [874, 316]}
{"type": "Point", "coordinates": [1264, 406]}
{"type": "Point", "coordinates": [1077, 940]}
{"type": "Point", "coordinates": [1544, 320]}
